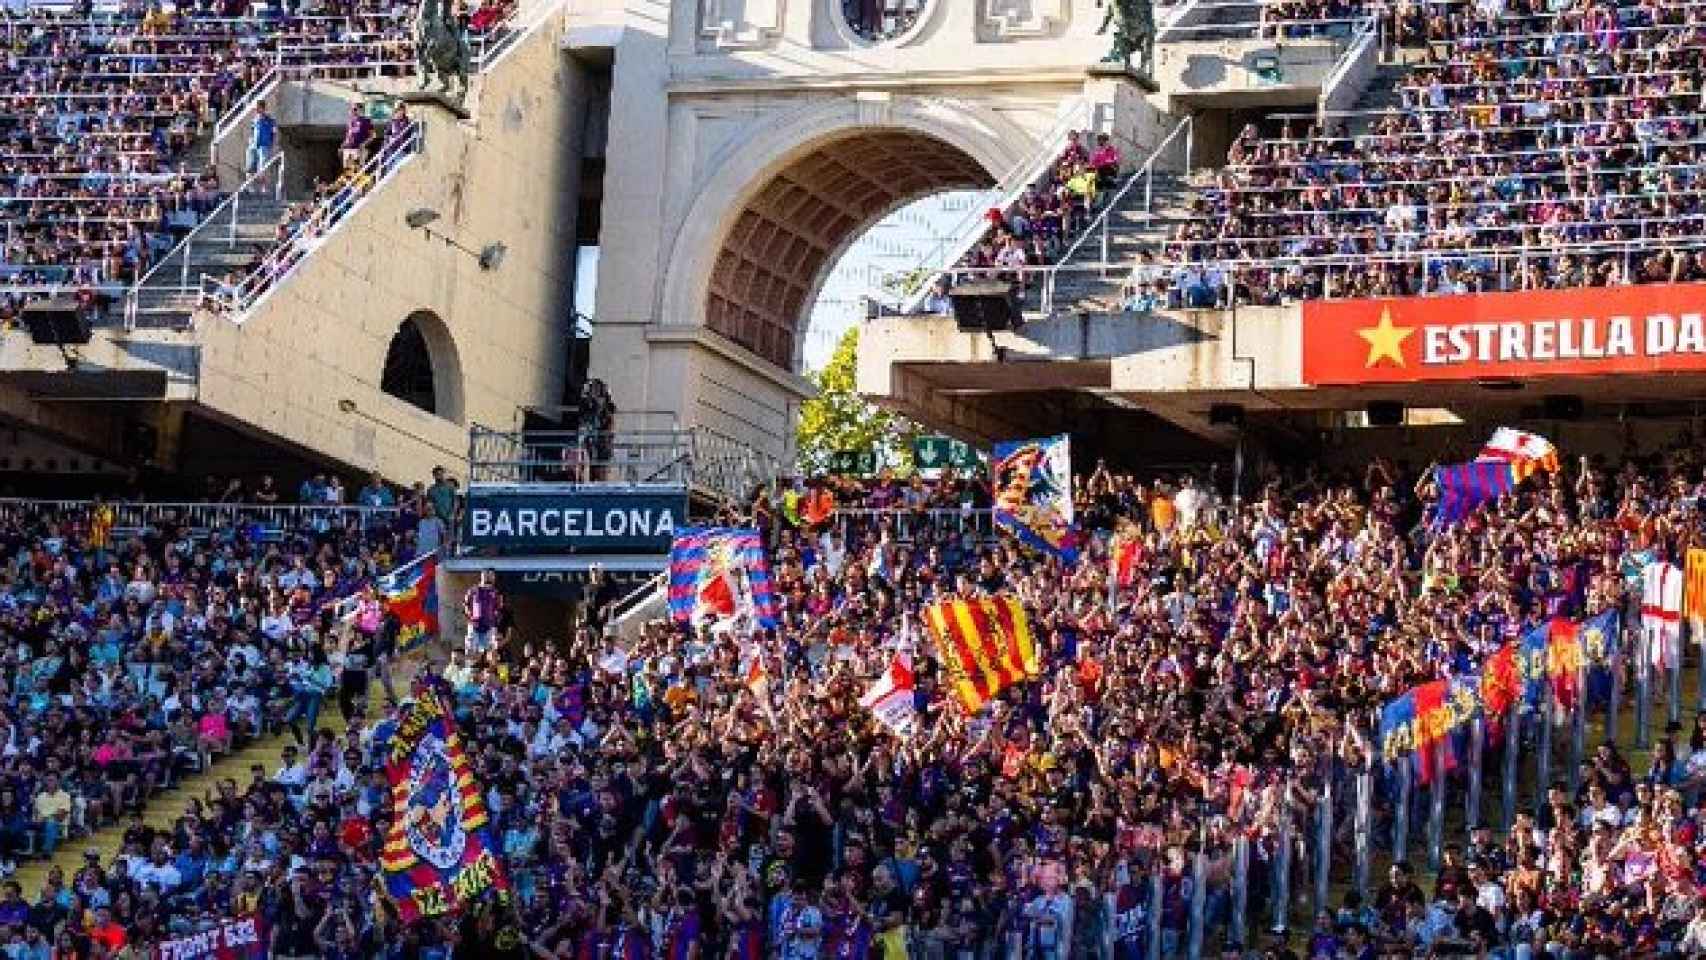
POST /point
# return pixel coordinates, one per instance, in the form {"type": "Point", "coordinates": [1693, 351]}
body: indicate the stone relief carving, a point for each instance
{"type": "Point", "coordinates": [741, 24]}
{"type": "Point", "coordinates": [1020, 19]}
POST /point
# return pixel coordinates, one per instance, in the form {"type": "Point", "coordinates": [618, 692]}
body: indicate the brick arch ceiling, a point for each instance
{"type": "Point", "coordinates": [782, 240]}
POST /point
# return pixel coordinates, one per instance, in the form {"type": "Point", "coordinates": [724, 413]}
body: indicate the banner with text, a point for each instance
{"type": "Point", "coordinates": [603, 520]}
{"type": "Point", "coordinates": [1538, 333]}
{"type": "Point", "coordinates": [237, 939]}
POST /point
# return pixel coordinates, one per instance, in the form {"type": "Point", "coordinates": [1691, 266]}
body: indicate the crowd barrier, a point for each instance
{"type": "Point", "coordinates": [272, 520]}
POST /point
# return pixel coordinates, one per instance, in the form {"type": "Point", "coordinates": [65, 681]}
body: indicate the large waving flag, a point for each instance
{"type": "Point", "coordinates": [1501, 683]}
{"type": "Point", "coordinates": [1564, 661]}
{"type": "Point", "coordinates": [890, 698]}
{"type": "Point", "coordinates": [1033, 492]}
{"type": "Point", "coordinates": [1465, 486]}
{"type": "Point", "coordinates": [984, 645]}
{"type": "Point", "coordinates": [1694, 592]}
{"type": "Point", "coordinates": [718, 574]}
{"type": "Point", "coordinates": [1533, 661]}
{"type": "Point", "coordinates": [1661, 612]}
{"type": "Point", "coordinates": [410, 593]}
{"type": "Point", "coordinates": [1525, 452]}
{"type": "Point", "coordinates": [438, 855]}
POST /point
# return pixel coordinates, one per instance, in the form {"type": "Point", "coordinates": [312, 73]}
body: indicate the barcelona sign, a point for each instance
{"type": "Point", "coordinates": [438, 856]}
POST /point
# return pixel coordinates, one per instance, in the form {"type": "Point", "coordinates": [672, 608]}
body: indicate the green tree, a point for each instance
{"type": "Point", "coordinates": [839, 420]}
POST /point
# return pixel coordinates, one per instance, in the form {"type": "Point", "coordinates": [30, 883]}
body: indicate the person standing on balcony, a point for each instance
{"type": "Point", "coordinates": [263, 137]}
{"type": "Point", "coordinates": [358, 135]}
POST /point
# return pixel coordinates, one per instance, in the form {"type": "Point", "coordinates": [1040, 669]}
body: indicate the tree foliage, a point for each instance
{"type": "Point", "coordinates": [838, 420]}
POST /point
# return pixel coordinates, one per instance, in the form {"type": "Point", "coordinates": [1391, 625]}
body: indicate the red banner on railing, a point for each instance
{"type": "Point", "coordinates": [1645, 329]}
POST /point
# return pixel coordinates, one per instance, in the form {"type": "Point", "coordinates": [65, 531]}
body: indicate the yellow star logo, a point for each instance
{"type": "Point", "coordinates": [1385, 341]}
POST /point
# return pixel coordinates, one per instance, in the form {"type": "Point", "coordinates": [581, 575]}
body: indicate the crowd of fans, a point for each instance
{"type": "Point", "coordinates": [651, 797]}
{"type": "Point", "coordinates": [101, 105]}
{"type": "Point", "coordinates": [1538, 145]}
{"type": "Point", "coordinates": [1044, 220]}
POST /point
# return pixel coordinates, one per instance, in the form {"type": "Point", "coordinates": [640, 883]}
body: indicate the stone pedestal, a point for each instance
{"type": "Point", "coordinates": [433, 98]}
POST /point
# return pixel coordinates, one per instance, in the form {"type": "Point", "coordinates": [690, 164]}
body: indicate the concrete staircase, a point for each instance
{"type": "Point", "coordinates": [1131, 229]}
{"type": "Point", "coordinates": [231, 238]}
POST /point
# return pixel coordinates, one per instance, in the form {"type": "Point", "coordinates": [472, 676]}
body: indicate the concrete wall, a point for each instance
{"type": "Point", "coordinates": [1225, 72]}
{"type": "Point", "coordinates": [509, 175]}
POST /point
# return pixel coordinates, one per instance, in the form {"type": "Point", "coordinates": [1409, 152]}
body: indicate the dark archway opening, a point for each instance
{"type": "Point", "coordinates": [408, 368]}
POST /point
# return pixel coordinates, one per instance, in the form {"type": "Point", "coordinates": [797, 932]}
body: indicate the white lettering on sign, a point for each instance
{"type": "Point", "coordinates": [1545, 341]}
{"type": "Point", "coordinates": [560, 523]}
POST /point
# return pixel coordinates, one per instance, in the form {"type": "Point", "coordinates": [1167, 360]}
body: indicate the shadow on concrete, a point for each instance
{"type": "Point", "coordinates": [1097, 336]}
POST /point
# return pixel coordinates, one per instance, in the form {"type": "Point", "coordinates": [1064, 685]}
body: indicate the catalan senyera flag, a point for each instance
{"type": "Point", "coordinates": [411, 595]}
{"type": "Point", "coordinates": [438, 854]}
{"type": "Point", "coordinates": [984, 645]}
{"type": "Point", "coordinates": [1694, 592]}
{"type": "Point", "coordinates": [1526, 452]}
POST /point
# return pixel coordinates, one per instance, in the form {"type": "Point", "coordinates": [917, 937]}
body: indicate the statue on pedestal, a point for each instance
{"type": "Point", "coordinates": [441, 47]}
{"type": "Point", "coordinates": [1134, 33]}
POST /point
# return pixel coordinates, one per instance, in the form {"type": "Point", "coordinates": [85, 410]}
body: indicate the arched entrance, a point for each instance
{"type": "Point", "coordinates": [765, 229]}
{"type": "Point", "coordinates": [422, 367]}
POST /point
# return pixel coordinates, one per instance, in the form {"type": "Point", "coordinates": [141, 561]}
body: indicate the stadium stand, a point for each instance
{"type": "Point", "coordinates": [1528, 146]}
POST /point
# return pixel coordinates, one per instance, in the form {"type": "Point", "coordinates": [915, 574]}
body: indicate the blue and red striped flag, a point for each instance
{"type": "Point", "coordinates": [1465, 486]}
{"type": "Point", "coordinates": [411, 595]}
{"type": "Point", "coordinates": [716, 574]}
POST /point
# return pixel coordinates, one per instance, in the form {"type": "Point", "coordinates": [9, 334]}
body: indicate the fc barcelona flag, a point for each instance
{"type": "Point", "coordinates": [1033, 493]}
{"type": "Point", "coordinates": [984, 646]}
{"type": "Point", "coordinates": [438, 856]}
{"type": "Point", "coordinates": [717, 574]}
{"type": "Point", "coordinates": [411, 595]}
{"type": "Point", "coordinates": [1465, 486]}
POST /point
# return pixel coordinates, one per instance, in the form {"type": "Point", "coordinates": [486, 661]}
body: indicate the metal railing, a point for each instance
{"type": "Point", "coordinates": [696, 457]}
{"type": "Point", "coordinates": [1364, 41]}
{"type": "Point", "coordinates": [269, 179]}
{"type": "Point", "coordinates": [331, 213]}
{"type": "Point", "coordinates": [240, 110]}
{"type": "Point", "coordinates": [1146, 175]}
{"type": "Point", "coordinates": [906, 525]}
{"type": "Point", "coordinates": [970, 230]}
{"type": "Point", "coordinates": [272, 520]}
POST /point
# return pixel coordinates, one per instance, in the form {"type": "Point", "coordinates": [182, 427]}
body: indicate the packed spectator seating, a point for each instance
{"type": "Point", "coordinates": [650, 799]}
{"type": "Point", "coordinates": [1535, 145]}
{"type": "Point", "coordinates": [103, 108]}
{"type": "Point", "coordinates": [1044, 220]}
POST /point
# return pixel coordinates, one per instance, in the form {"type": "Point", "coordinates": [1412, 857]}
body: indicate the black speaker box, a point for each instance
{"type": "Point", "coordinates": [57, 321]}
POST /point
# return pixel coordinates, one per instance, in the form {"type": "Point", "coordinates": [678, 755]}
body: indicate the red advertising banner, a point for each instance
{"type": "Point", "coordinates": [235, 939]}
{"type": "Point", "coordinates": [1540, 333]}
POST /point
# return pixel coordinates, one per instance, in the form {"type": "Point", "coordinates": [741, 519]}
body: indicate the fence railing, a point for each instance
{"type": "Point", "coordinates": [272, 520]}
{"type": "Point", "coordinates": [696, 457]}
{"type": "Point", "coordinates": [1009, 187]}
{"type": "Point", "coordinates": [268, 180]}
{"type": "Point", "coordinates": [906, 525]}
{"type": "Point", "coordinates": [255, 286]}
{"type": "Point", "coordinates": [1145, 175]}
{"type": "Point", "coordinates": [1355, 65]}
{"type": "Point", "coordinates": [238, 113]}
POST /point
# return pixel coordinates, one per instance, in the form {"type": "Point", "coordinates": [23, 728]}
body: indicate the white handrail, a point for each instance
{"type": "Point", "coordinates": [1007, 189]}
{"type": "Point", "coordinates": [1146, 173]}
{"type": "Point", "coordinates": [233, 202]}
{"type": "Point", "coordinates": [328, 216]}
{"type": "Point", "coordinates": [1368, 31]}
{"type": "Point", "coordinates": [239, 111]}
{"type": "Point", "coordinates": [496, 43]}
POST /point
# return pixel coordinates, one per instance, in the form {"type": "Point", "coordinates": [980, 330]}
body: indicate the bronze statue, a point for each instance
{"type": "Point", "coordinates": [441, 47]}
{"type": "Point", "coordinates": [1134, 32]}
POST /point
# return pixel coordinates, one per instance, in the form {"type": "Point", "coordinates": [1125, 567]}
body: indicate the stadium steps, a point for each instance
{"type": "Point", "coordinates": [169, 297]}
{"type": "Point", "coordinates": [1131, 230]}
{"type": "Point", "coordinates": [163, 810]}
{"type": "Point", "coordinates": [1380, 95]}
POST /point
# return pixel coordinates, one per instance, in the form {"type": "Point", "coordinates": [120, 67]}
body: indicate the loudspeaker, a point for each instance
{"type": "Point", "coordinates": [986, 307]}
{"type": "Point", "coordinates": [57, 321]}
{"type": "Point", "coordinates": [1226, 415]}
{"type": "Point", "coordinates": [1385, 413]}
{"type": "Point", "coordinates": [1564, 406]}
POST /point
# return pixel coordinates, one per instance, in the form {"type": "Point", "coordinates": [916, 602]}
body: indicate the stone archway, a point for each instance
{"type": "Point", "coordinates": [766, 228]}
{"type": "Point", "coordinates": [423, 368]}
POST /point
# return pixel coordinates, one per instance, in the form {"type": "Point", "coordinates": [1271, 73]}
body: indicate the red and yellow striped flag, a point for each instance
{"type": "Point", "coordinates": [1694, 587]}
{"type": "Point", "coordinates": [984, 645]}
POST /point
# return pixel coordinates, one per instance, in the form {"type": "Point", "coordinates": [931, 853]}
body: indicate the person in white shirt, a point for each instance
{"type": "Point", "coordinates": [1189, 502]}
{"type": "Point", "coordinates": [158, 871]}
{"type": "Point", "coordinates": [293, 775]}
